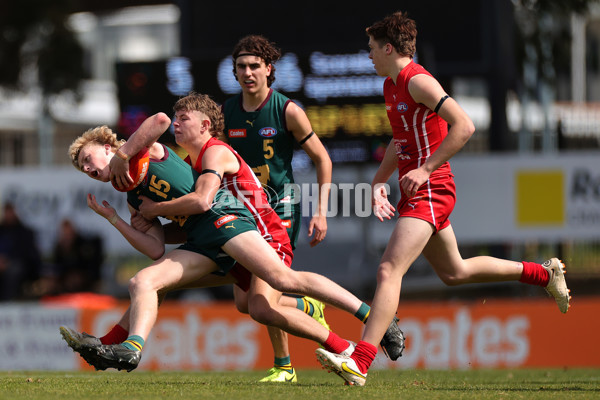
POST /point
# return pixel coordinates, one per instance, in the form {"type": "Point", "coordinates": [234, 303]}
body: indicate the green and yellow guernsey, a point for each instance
{"type": "Point", "coordinates": [172, 177]}
{"type": "Point", "coordinates": [262, 139]}
{"type": "Point", "coordinates": [167, 179]}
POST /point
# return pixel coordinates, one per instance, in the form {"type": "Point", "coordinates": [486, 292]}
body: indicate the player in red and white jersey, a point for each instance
{"type": "Point", "coordinates": [420, 111]}
{"type": "Point", "coordinates": [245, 186]}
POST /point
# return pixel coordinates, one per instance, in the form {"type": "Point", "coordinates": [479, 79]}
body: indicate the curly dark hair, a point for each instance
{"type": "Point", "coordinates": [259, 46]}
{"type": "Point", "coordinates": [398, 30]}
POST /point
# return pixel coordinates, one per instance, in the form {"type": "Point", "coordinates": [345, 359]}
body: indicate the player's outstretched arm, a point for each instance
{"type": "Point", "coordinates": [150, 243]}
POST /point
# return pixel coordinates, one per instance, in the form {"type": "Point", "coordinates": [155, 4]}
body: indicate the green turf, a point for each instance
{"type": "Point", "coordinates": [312, 385]}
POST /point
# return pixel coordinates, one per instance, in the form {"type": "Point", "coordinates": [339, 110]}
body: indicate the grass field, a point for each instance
{"type": "Point", "coordinates": [313, 385]}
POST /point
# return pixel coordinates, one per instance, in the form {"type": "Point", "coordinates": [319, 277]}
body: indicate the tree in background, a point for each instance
{"type": "Point", "coordinates": [38, 51]}
{"type": "Point", "coordinates": [541, 51]}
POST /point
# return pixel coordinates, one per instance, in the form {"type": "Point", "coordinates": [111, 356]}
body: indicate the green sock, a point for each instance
{"type": "Point", "coordinates": [305, 306]}
{"type": "Point", "coordinates": [134, 342]}
{"type": "Point", "coordinates": [363, 312]}
{"type": "Point", "coordinates": [283, 363]}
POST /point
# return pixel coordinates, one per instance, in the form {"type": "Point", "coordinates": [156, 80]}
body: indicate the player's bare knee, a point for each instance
{"type": "Point", "coordinates": [453, 279]}
{"type": "Point", "coordinates": [242, 306]}
{"type": "Point", "coordinates": [140, 283]}
{"type": "Point", "coordinates": [385, 272]}
{"type": "Point", "coordinates": [134, 285]}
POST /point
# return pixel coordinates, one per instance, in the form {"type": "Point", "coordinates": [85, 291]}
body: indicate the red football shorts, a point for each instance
{"type": "Point", "coordinates": [433, 202]}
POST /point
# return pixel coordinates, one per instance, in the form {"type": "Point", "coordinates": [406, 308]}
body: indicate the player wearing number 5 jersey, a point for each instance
{"type": "Point", "coordinates": [263, 140]}
{"type": "Point", "coordinates": [264, 126]}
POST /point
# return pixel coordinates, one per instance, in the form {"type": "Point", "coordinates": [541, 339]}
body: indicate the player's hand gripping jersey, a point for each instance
{"type": "Point", "coordinates": [170, 178]}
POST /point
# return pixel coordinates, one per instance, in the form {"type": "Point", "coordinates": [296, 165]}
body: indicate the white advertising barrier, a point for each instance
{"type": "Point", "coordinates": [29, 338]}
{"type": "Point", "coordinates": [500, 198]}
{"type": "Point", "coordinates": [515, 198]}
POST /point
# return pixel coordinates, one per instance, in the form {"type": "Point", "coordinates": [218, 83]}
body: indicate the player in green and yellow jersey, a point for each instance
{"type": "Point", "coordinates": [264, 126]}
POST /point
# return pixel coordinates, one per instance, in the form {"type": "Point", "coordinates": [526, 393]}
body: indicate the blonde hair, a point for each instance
{"type": "Point", "coordinates": [100, 135]}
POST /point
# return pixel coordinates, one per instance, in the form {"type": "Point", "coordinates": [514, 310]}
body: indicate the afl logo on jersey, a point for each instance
{"type": "Point", "coordinates": [402, 107]}
{"type": "Point", "coordinates": [267, 132]}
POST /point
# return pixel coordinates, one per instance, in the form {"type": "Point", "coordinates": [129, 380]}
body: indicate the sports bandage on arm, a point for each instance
{"type": "Point", "coordinates": [211, 171]}
{"type": "Point", "coordinates": [439, 104]}
{"type": "Point", "coordinates": [306, 138]}
{"type": "Point", "coordinates": [119, 153]}
{"type": "Point", "coordinates": [113, 220]}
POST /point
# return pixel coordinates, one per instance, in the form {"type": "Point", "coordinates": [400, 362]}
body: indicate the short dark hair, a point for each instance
{"type": "Point", "coordinates": [398, 30]}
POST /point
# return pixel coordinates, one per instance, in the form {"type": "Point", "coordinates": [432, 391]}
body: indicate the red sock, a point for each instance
{"type": "Point", "coordinates": [116, 335]}
{"type": "Point", "coordinates": [534, 274]}
{"type": "Point", "coordinates": [363, 355]}
{"type": "Point", "coordinates": [335, 344]}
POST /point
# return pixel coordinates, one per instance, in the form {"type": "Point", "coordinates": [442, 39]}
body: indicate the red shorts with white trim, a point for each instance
{"type": "Point", "coordinates": [433, 202]}
{"type": "Point", "coordinates": [284, 251]}
{"type": "Point", "coordinates": [243, 276]}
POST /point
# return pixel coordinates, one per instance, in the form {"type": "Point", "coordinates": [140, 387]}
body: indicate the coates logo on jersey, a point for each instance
{"type": "Point", "coordinates": [267, 132]}
{"type": "Point", "coordinates": [402, 107]}
{"type": "Point", "coordinates": [224, 220]}
{"type": "Point", "coordinates": [235, 133]}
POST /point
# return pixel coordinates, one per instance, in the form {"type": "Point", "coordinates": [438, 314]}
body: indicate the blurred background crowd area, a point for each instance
{"type": "Point", "coordinates": [526, 71]}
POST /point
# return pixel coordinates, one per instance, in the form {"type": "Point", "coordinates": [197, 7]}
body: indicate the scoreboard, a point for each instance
{"type": "Point", "coordinates": [324, 67]}
{"type": "Point", "coordinates": [340, 93]}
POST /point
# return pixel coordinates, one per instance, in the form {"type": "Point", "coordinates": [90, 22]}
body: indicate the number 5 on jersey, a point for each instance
{"type": "Point", "coordinates": [268, 148]}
